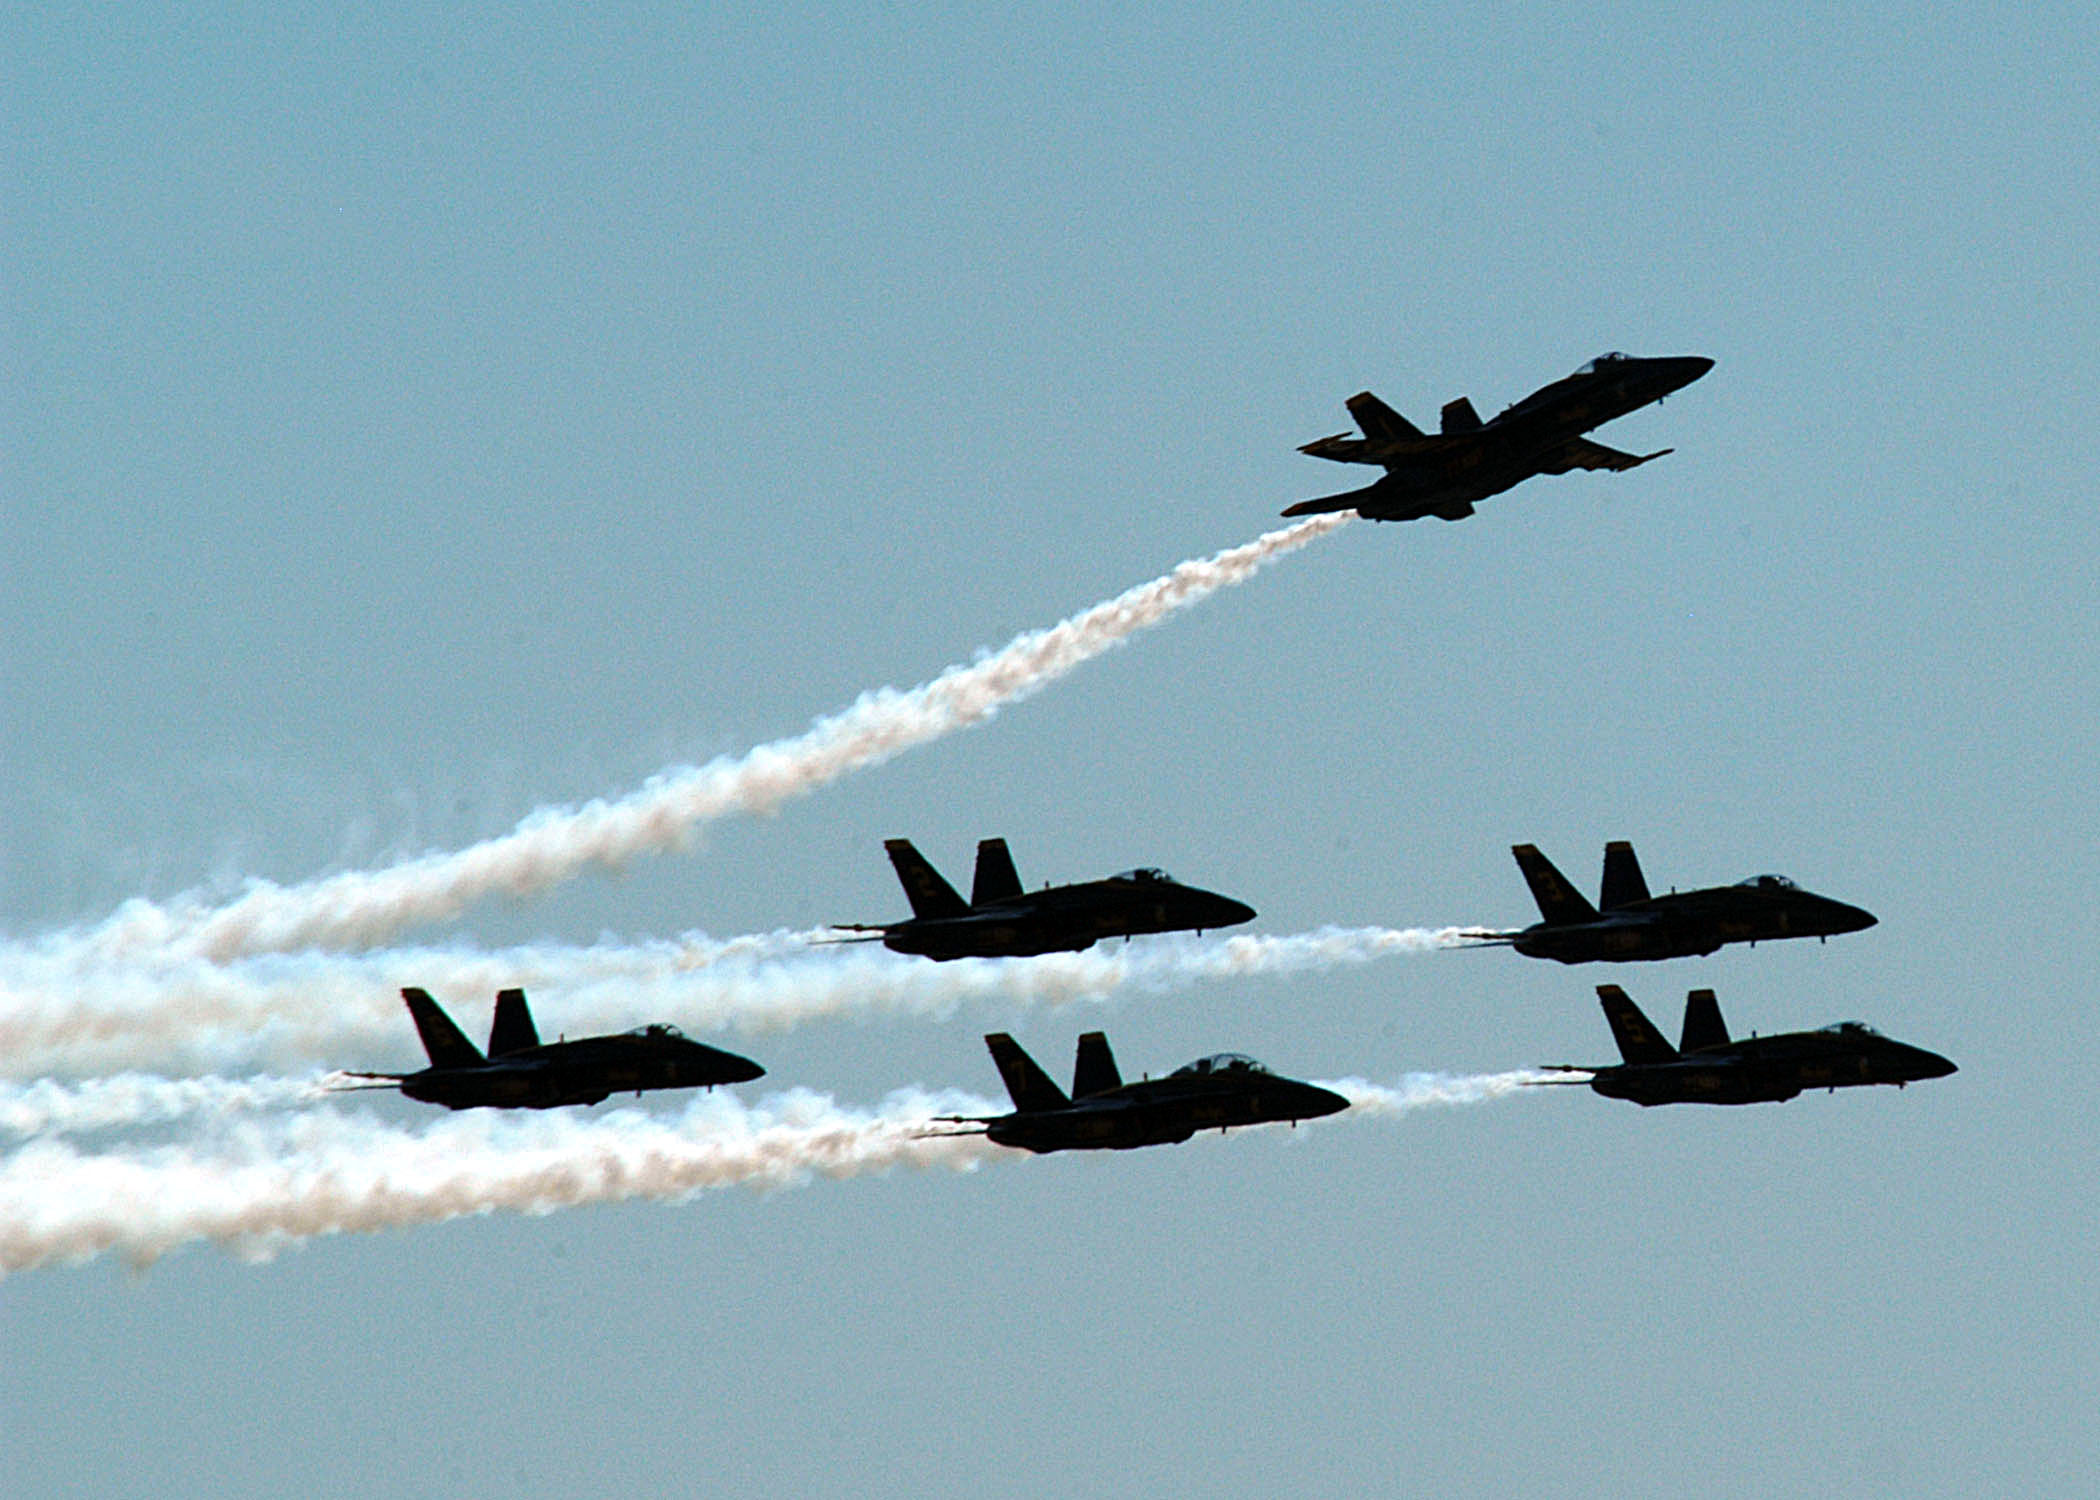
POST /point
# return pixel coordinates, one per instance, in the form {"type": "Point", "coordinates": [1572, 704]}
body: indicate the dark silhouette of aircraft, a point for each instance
{"type": "Point", "coordinates": [522, 1072]}
{"type": "Point", "coordinates": [1444, 474]}
{"type": "Point", "coordinates": [1627, 924]}
{"type": "Point", "coordinates": [1000, 920]}
{"type": "Point", "coordinates": [1708, 1068]}
{"type": "Point", "coordinates": [1103, 1113]}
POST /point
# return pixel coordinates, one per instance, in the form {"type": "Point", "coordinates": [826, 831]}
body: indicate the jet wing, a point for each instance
{"type": "Point", "coordinates": [1581, 453]}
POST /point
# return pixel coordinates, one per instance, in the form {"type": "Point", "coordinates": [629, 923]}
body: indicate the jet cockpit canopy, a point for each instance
{"type": "Point", "coordinates": [1145, 876]}
{"type": "Point", "coordinates": [1220, 1062]}
{"type": "Point", "coordinates": [1769, 883]}
{"type": "Point", "coordinates": [658, 1031]}
{"type": "Point", "coordinates": [1849, 1028]}
{"type": "Point", "coordinates": [1604, 362]}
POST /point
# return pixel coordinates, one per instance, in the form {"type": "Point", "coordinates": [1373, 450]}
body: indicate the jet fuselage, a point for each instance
{"type": "Point", "coordinates": [584, 1071]}
{"type": "Point", "coordinates": [1773, 1069]}
{"type": "Point", "coordinates": [1103, 1113]}
{"type": "Point", "coordinates": [1445, 474]}
{"type": "Point", "coordinates": [1068, 918]}
{"type": "Point", "coordinates": [1003, 920]}
{"type": "Point", "coordinates": [1627, 924]}
{"type": "Point", "coordinates": [1165, 1111]}
{"type": "Point", "coordinates": [1708, 1067]}
{"type": "Point", "coordinates": [519, 1071]}
{"type": "Point", "coordinates": [1688, 924]}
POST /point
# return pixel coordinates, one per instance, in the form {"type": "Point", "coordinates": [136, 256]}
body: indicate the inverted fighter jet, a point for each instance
{"type": "Point", "coordinates": [1708, 1068]}
{"type": "Point", "coordinates": [1446, 473]}
{"type": "Point", "coordinates": [1000, 920]}
{"type": "Point", "coordinates": [1105, 1113]}
{"type": "Point", "coordinates": [1628, 925]}
{"type": "Point", "coordinates": [522, 1072]}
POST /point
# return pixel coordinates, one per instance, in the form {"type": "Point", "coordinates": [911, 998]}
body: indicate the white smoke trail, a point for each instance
{"type": "Point", "coordinates": [264, 1185]}
{"type": "Point", "coordinates": [361, 908]}
{"type": "Point", "coordinates": [270, 1184]}
{"type": "Point", "coordinates": [1428, 1090]}
{"type": "Point", "coordinates": [280, 1011]}
{"type": "Point", "coordinates": [49, 1107]}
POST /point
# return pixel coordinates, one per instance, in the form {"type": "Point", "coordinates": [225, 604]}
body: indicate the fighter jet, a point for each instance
{"type": "Point", "coordinates": [1000, 920]}
{"type": "Point", "coordinates": [1708, 1068]}
{"type": "Point", "coordinates": [1103, 1113]}
{"type": "Point", "coordinates": [1445, 474]}
{"type": "Point", "coordinates": [522, 1072]}
{"type": "Point", "coordinates": [1629, 925]}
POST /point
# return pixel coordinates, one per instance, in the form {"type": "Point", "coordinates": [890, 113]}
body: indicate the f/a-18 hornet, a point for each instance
{"type": "Point", "coordinates": [1103, 1113]}
{"type": "Point", "coordinates": [1444, 474]}
{"type": "Point", "coordinates": [522, 1072]}
{"type": "Point", "coordinates": [1627, 924]}
{"type": "Point", "coordinates": [1000, 920]}
{"type": "Point", "coordinates": [1708, 1068]}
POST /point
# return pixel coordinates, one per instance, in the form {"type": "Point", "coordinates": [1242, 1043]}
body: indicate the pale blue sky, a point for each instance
{"type": "Point", "coordinates": [412, 420]}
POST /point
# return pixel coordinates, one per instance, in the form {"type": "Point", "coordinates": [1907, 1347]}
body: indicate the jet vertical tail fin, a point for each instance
{"type": "Point", "coordinates": [930, 896]}
{"type": "Point", "coordinates": [1703, 1026]}
{"type": "Point", "coordinates": [1459, 416]}
{"type": "Point", "coordinates": [446, 1045]}
{"type": "Point", "coordinates": [1380, 423]}
{"type": "Point", "coordinates": [513, 1031]}
{"type": "Point", "coordinates": [1623, 882]}
{"type": "Point", "coordinates": [1558, 901]}
{"type": "Point", "coordinates": [1095, 1070]}
{"type": "Point", "coordinates": [1639, 1041]}
{"type": "Point", "coordinates": [1028, 1085]}
{"type": "Point", "coordinates": [996, 878]}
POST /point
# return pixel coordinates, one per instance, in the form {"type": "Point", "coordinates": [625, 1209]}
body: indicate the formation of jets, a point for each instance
{"type": "Point", "coordinates": [1444, 475]}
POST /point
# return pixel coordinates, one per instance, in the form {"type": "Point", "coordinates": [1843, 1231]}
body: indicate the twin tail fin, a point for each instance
{"type": "Point", "coordinates": [1026, 1083]}
{"type": "Point", "coordinates": [1703, 1026]}
{"type": "Point", "coordinates": [1639, 1041]}
{"type": "Point", "coordinates": [1094, 1071]}
{"type": "Point", "coordinates": [1623, 882]}
{"type": "Point", "coordinates": [929, 894]}
{"type": "Point", "coordinates": [445, 1043]}
{"type": "Point", "coordinates": [513, 1031]}
{"type": "Point", "coordinates": [996, 878]}
{"type": "Point", "coordinates": [1558, 901]}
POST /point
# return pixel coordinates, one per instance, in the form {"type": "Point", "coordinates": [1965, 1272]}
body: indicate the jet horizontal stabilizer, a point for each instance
{"type": "Point", "coordinates": [1326, 503]}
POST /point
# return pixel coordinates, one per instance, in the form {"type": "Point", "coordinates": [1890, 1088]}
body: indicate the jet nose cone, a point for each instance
{"type": "Point", "coordinates": [726, 1067]}
{"type": "Point", "coordinates": [1932, 1065]}
{"type": "Point", "coordinates": [1319, 1101]}
{"type": "Point", "coordinates": [1853, 919]}
{"type": "Point", "coordinates": [1681, 370]}
{"type": "Point", "coordinates": [1231, 913]}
